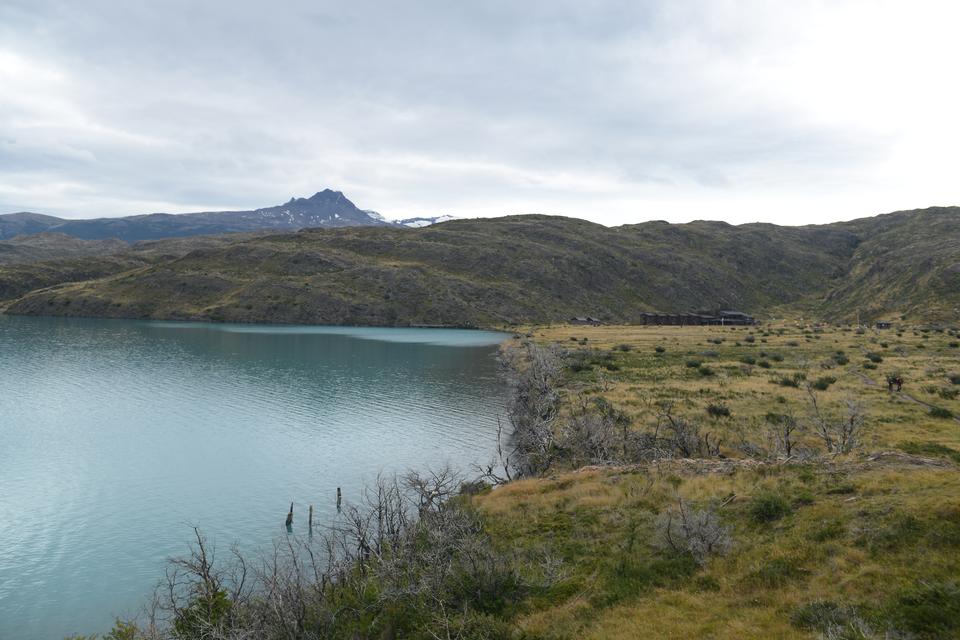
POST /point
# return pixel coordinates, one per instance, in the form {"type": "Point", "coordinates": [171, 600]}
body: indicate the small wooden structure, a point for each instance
{"type": "Point", "coordinates": [588, 320]}
{"type": "Point", "coordinates": [712, 318]}
{"type": "Point", "coordinates": [883, 324]}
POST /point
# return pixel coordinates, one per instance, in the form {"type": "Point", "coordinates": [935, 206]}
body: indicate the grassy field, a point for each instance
{"type": "Point", "coordinates": [847, 546]}
{"type": "Point", "coordinates": [756, 371]}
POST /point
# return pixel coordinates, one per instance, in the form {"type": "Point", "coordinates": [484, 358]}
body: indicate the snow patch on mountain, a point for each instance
{"type": "Point", "coordinates": [420, 222]}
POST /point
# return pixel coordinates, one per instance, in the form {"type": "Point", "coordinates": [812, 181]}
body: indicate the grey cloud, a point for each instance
{"type": "Point", "coordinates": [418, 105]}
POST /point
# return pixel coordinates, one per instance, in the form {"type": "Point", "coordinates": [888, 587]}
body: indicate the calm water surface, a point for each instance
{"type": "Point", "coordinates": [117, 436]}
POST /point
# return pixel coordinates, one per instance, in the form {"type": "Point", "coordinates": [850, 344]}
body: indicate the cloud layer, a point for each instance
{"type": "Point", "coordinates": [614, 111]}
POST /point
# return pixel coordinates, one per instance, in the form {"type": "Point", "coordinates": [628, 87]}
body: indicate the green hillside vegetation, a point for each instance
{"type": "Point", "coordinates": [54, 246]}
{"type": "Point", "coordinates": [534, 269]}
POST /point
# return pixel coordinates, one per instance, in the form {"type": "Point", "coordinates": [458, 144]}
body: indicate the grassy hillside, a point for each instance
{"type": "Point", "coordinates": [907, 261]}
{"type": "Point", "coordinates": [526, 269]}
{"type": "Point", "coordinates": [42, 247]}
{"type": "Point", "coordinates": [857, 545]}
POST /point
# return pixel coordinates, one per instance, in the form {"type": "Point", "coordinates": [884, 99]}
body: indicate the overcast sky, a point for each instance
{"type": "Point", "coordinates": [790, 112]}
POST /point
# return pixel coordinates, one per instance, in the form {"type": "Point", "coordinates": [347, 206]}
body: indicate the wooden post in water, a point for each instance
{"type": "Point", "coordinates": [310, 520]}
{"type": "Point", "coordinates": [290, 516]}
{"type": "Point", "coordinates": [339, 499]}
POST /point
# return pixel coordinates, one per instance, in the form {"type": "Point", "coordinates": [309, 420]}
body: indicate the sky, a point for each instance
{"type": "Point", "coordinates": [791, 112]}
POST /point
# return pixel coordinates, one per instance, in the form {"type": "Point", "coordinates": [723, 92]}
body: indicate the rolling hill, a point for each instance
{"type": "Point", "coordinates": [530, 269]}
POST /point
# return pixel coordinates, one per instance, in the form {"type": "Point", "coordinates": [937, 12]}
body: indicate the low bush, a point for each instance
{"type": "Point", "coordinates": [718, 410]}
{"type": "Point", "coordinates": [928, 609]}
{"type": "Point", "coordinates": [693, 532]}
{"type": "Point", "coordinates": [775, 573]}
{"type": "Point", "coordinates": [823, 383]}
{"type": "Point", "coordinates": [826, 617]}
{"type": "Point", "coordinates": [940, 412]}
{"type": "Point", "coordinates": [769, 507]}
{"type": "Point", "coordinates": [930, 449]}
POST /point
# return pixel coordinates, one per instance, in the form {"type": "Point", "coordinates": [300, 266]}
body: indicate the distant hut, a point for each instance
{"type": "Point", "coordinates": [883, 324]}
{"type": "Point", "coordinates": [717, 318]}
{"type": "Point", "coordinates": [586, 320]}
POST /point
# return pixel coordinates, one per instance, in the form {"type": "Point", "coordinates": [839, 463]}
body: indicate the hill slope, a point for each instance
{"type": "Point", "coordinates": [532, 269]}
{"type": "Point", "coordinates": [54, 246]}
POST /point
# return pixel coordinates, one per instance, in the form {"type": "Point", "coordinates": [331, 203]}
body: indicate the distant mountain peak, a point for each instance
{"type": "Point", "coordinates": [327, 208]}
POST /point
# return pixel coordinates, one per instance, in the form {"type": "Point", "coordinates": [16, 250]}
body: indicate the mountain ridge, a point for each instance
{"type": "Point", "coordinates": [536, 269]}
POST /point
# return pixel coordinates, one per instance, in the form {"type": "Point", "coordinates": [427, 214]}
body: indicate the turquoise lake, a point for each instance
{"type": "Point", "coordinates": [116, 437]}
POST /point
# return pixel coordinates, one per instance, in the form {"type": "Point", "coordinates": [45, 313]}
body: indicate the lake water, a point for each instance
{"type": "Point", "coordinates": [117, 436]}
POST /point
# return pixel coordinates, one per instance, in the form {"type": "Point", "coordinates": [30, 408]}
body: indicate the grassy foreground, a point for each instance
{"type": "Point", "coordinates": [865, 544]}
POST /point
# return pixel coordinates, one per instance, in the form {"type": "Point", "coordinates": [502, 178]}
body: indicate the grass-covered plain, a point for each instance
{"type": "Point", "coordinates": [847, 546]}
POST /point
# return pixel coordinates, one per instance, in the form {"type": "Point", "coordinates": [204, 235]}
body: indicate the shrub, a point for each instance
{"type": "Point", "coordinates": [775, 573]}
{"type": "Point", "coordinates": [748, 360]}
{"type": "Point", "coordinates": [841, 359]}
{"type": "Point", "coordinates": [659, 349]}
{"type": "Point", "coordinates": [927, 609]}
{"type": "Point", "coordinates": [750, 339]}
{"type": "Point", "coordinates": [940, 412]}
{"type": "Point", "coordinates": [623, 347]}
{"type": "Point", "coordinates": [793, 343]}
{"type": "Point", "coordinates": [698, 533]}
{"type": "Point", "coordinates": [776, 357]}
{"type": "Point", "coordinates": [875, 357]}
{"type": "Point", "coordinates": [954, 378]}
{"type": "Point", "coordinates": [869, 365]}
{"type": "Point", "coordinates": [768, 507]}
{"type": "Point", "coordinates": [792, 381]}
{"type": "Point", "coordinates": [954, 345]}
{"type": "Point", "coordinates": [693, 364]}
{"type": "Point", "coordinates": [821, 384]}
{"type": "Point", "coordinates": [763, 364]}
{"type": "Point", "coordinates": [824, 616]}
{"type": "Point", "coordinates": [930, 449]}
{"type": "Point", "coordinates": [717, 340]}
{"type": "Point", "coordinates": [705, 371]}
{"type": "Point", "coordinates": [718, 410]}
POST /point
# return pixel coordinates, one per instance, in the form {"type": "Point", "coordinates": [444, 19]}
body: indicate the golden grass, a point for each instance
{"type": "Point", "coordinates": [859, 532]}
{"type": "Point", "coordinates": [643, 377]}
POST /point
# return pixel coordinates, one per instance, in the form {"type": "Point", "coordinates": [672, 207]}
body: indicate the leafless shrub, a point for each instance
{"type": "Point", "coordinates": [783, 429]}
{"type": "Point", "coordinates": [839, 433]}
{"type": "Point", "coordinates": [684, 435]}
{"type": "Point", "coordinates": [696, 532]}
{"type": "Point", "coordinates": [533, 372]}
{"type": "Point", "coordinates": [407, 543]}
